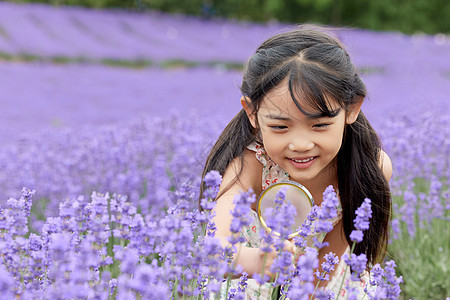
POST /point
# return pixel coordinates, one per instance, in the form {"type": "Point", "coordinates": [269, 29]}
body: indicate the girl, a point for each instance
{"type": "Point", "coordinates": [302, 121]}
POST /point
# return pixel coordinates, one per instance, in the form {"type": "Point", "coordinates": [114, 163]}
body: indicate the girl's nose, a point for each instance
{"type": "Point", "coordinates": [301, 145]}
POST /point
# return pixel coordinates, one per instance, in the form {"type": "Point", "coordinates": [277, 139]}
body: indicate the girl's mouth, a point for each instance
{"type": "Point", "coordinates": [302, 163]}
{"type": "Point", "coordinates": [303, 160]}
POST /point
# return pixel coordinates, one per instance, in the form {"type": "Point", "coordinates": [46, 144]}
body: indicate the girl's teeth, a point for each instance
{"type": "Point", "coordinates": [303, 160]}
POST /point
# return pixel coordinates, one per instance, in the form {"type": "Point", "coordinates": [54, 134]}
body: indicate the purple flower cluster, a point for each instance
{"type": "Point", "coordinates": [241, 215]}
{"type": "Point", "coordinates": [386, 282]}
{"type": "Point", "coordinates": [363, 214]}
{"type": "Point", "coordinates": [302, 285]}
{"type": "Point", "coordinates": [122, 159]}
{"type": "Point", "coordinates": [327, 211]}
{"type": "Point", "coordinates": [331, 260]}
{"type": "Point", "coordinates": [124, 35]}
{"type": "Point", "coordinates": [103, 246]}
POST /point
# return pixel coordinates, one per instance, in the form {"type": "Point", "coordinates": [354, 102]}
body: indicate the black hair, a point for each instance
{"type": "Point", "coordinates": [319, 70]}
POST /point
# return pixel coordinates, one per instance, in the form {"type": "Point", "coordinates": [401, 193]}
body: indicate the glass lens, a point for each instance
{"type": "Point", "coordinates": [296, 194]}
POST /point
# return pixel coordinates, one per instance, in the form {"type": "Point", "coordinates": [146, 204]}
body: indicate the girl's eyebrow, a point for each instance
{"type": "Point", "coordinates": [277, 117]}
{"type": "Point", "coordinates": [319, 115]}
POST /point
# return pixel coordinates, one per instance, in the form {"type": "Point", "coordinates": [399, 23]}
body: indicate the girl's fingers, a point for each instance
{"type": "Point", "coordinates": [290, 247]}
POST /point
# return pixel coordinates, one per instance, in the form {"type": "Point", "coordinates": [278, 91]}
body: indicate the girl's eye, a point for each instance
{"type": "Point", "coordinates": [281, 127]}
{"type": "Point", "coordinates": [321, 125]}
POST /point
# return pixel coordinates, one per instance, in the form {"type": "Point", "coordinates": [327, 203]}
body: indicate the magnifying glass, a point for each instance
{"type": "Point", "coordinates": [295, 193]}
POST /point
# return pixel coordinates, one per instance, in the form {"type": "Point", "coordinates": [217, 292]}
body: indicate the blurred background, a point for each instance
{"type": "Point", "coordinates": [67, 63]}
{"type": "Point", "coordinates": [408, 16]}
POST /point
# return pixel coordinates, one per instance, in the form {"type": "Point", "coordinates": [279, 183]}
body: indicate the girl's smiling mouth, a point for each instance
{"type": "Point", "coordinates": [302, 160]}
{"type": "Point", "coordinates": [302, 163]}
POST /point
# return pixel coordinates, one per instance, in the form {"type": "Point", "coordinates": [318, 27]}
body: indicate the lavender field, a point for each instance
{"type": "Point", "coordinates": [109, 116]}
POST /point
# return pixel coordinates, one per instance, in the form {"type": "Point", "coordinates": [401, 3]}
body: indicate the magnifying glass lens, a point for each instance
{"type": "Point", "coordinates": [295, 194]}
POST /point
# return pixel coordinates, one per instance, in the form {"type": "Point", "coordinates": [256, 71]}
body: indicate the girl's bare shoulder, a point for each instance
{"type": "Point", "coordinates": [385, 165]}
{"type": "Point", "coordinates": [250, 176]}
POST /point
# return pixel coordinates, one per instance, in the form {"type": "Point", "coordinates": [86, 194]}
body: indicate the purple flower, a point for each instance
{"type": "Point", "coordinates": [387, 284]}
{"type": "Point", "coordinates": [357, 263]}
{"type": "Point", "coordinates": [261, 279]}
{"type": "Point", "coordinates": [59, 244]}
{"type": "Point", "coordinates": [242, 286]}
{"type": "Point", "coordinates": [280, 196]}
{"type": "Point", "coordinates": [363, 214]}
{"type": "Point", "coordinates": [320, 245]}
{"type": "Point", "coordinates": [327, 211]}
{"type": "Point", "coordinates": [207, 204]}
{"type": "Point", "coordinates": [267, 241]}
{"type": "Point", "coordinates": [356, 236]}
{"type": "Point", "coordinates": [395, 227]}
{"type": "Point", "coordinates": [408, 211]}
{"type": "Point", "coordinates": [213, 179]}
{"type": "Point", "coordinates": [6, 283]}
{"type": "Point", "coordinates": [241, 214]}
{"type": "Point", "coordinates": [323, 226]}
{"type": "Point", "coordinates": [392, 281]}
{"type": "Point", "coordinates": [282, 265]}
{"type": "Point", "coordinates": [300, 290]}
{"type": "Point", "coordinates": [324, 295]}
{"type": "Point", "coordinates": [376, 274]}
{"type": "Point", "coordinates": [327, 266]}
{"type": "Point", "coordinates": [331, 260]}
{"type": "Point", "coordinates": [281, 219]}
{"type": "Point", "coordinates": [129, 262]}
{"type": "Point", "coordinates": [329, 204]}
{"type": "Point", "coordinates": [307, 263]}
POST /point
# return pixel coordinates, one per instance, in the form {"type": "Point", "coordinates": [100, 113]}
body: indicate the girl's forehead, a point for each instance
{"type": "Point", "coordinates": [279, 100]}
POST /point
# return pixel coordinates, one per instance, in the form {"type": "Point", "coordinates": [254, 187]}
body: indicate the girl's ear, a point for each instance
{"type": "Point", "coordinates": [353, 111]}
{"type": "Point", "coordinates": [247, 105]}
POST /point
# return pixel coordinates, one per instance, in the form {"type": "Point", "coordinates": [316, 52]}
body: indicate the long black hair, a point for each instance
{"type": "Point", "coordinates": [319, 70]}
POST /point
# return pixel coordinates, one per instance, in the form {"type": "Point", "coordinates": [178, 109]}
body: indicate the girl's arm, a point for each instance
{"type": "Point", "coordinates": [251, 259]}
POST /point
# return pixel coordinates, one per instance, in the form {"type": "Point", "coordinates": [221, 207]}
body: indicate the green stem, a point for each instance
{"type": "Point", "coordinates": [262, 273]}
{"type": "Point", "coordinates": [315, 289]}
{"type": "Point", "coordinates": [345, 273]}
{"type": "Point", "coordinates": [232, 267]}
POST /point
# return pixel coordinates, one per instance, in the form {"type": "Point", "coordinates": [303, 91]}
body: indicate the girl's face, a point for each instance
{"type": "Point", "coordinates": [304, 147]}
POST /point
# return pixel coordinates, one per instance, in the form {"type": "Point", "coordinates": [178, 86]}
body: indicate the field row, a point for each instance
{"type": "Point", "coordinates": [78, 33]}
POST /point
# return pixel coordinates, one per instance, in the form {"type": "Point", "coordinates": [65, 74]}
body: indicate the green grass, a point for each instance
{"type": "Point", "coordinates": [120, 63]}
{"type": "Point", "coordinates": [423, 259]}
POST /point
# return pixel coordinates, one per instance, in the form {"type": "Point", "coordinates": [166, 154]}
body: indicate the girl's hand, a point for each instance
{"type": "Point", "coordinates": [266, 259]}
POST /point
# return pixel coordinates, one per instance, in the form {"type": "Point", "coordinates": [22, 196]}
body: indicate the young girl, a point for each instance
{"type": "Point", "coordinates": [302, 121]}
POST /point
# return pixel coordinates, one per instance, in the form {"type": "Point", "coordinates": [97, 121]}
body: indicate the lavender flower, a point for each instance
{"type": "Point", "coordinates": [6, 283]}
{"type": "Point", "coordinates": [282, 266]}
{"type": "Point", "coordinates": [357, 264]}
{"type": "Point", "coordinates": [356, 236]}
{"type": "Point", "coordinates": [324, 295]}
{"type": "Point", "coordinates": [385, 281]}
{"type": "Point", "coordinates": [213, 179]}
{"type": "Point", "coordinates": [327, 211]}
{"type": "Point", "coordinates": [331, 260]}
{"type": "Point", "coordinates": [241, 214]}
{"type": "Point", "coordinates": [363, 214]}
{"type": "Point", "coordinates": [280, 219]}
